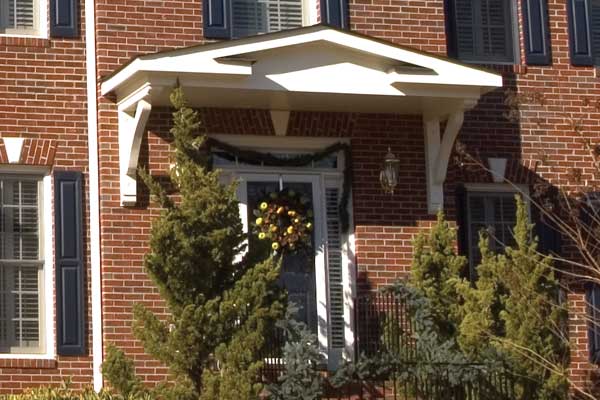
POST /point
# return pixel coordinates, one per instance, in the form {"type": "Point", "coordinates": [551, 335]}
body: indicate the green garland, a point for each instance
{"type": "Point", "coordinates": [252, 157]}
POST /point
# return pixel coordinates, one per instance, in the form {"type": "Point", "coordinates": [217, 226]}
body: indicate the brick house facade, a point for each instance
{"type": "Point", "coordinates": [65, 90]}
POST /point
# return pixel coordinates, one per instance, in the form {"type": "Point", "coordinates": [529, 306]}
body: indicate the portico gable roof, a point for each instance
{"type": "Point", "coordinates": [288, 67]}
{"type": "Point", "coordinates": [315, 68]}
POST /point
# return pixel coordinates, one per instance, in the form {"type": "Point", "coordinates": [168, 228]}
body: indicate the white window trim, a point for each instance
{"type": "Point", "coordinates": [41, 21]}
{"type": "Point", "coordinates": [325, 178]}
{"type": "Point", "coordinates": [47, 291]}
{"type": "Point", "coordinates": [309, 12]}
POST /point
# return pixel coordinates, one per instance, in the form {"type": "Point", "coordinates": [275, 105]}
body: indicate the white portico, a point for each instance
{"type": "Point", "coordinates": [316, 68]}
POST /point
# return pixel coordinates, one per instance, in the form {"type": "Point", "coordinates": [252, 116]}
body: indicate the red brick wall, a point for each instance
{"type": "Point", "coordinates": [43, 98]}
{"type": "Point", "coordinates": [385, 225]}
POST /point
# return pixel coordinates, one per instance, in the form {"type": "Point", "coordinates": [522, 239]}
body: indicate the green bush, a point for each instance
{"type": "Point", "coordinates": [64, 392]}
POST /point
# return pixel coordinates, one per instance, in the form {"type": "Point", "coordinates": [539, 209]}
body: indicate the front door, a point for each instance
{"type": "Point", "coordinates": [302, 273]}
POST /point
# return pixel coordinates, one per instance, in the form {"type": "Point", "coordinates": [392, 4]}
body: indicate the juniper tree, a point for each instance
{"type": "Point", "coordinates": [220, 308]}
{"type": "Point", "coordinates": [436, 270]}
{"type": "Point", "coordinates": [514, 312]}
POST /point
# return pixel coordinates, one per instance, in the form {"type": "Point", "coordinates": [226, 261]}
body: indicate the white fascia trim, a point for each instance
{"type": "Point", "coordinates": [94, 193]}
{"type": "Point", "coordinates": [208, 66]}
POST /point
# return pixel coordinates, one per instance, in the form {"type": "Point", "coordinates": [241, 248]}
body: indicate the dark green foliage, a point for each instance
{"type": "Point", "coordinates": [120, 372]}
{"type": "Point", "coordinates": [301, 379]}
{"type": "Point", "coordinates": [220, 306]}
{"type": "Point", "coordinates": [435, 272]}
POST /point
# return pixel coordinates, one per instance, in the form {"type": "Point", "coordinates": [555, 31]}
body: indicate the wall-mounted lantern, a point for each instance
{"type": "Point", "coordinates": [389, 172]}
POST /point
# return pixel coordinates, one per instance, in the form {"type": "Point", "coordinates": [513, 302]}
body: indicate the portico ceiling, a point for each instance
{"type": "Point", "coordinates": [316, 68]}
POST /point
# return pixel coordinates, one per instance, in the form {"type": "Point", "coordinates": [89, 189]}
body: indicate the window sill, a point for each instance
{"type": "Point", "coordinates": [24, 41]}
{"type": "Point", "coordinates": [28, 363]}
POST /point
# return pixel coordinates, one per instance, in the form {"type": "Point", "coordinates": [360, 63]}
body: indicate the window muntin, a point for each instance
{"type": "Point", "coordinates": [495, 213]}
{"type": "Point", "coordinates": [254, 17]}
{"type": "Point", "coordinates": [21, 266]}
{"type": "Point", "coordinates": [19, 17]}
{"type": "Point", "coordinates": [485, 31]}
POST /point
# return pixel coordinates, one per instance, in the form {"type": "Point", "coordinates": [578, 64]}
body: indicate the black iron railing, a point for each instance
{"type": "Point", "coordinates": [383, 325]}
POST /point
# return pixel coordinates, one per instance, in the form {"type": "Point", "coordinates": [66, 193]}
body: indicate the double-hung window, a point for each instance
{"type": "Point", "coordinates": [20, 17]}
{"type": "Point", "coordinates": [21, 265]}
{"type": "Point", "coordinates": [494, 213]}
{"type": "Point", "coordinates": [483, 30]}
{"type": "Point", "coordinates": [253, 17]}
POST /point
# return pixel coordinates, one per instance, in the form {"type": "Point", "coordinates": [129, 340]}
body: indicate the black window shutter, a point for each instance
{"type": "Point", "coordinates": [68, 210]}
{"type": "Point", "coordinates": [464, 22]}
{"type": "Point", "coordinates": [451, 33]}
{"type": "Point", "coordinates": [217, 19]}
{"type": "Point", "coordinates": [64, 18]}
{"type": "Point", "coordinates": [537, 34]}
{"type": "Point", "coordinates": [593, 304]}
{"type": "Point", "coordinates": [595, 31]}
{"type": "Point", "coordinates": [549, 237]}
{"type": "Point", "coordinates": [335, 13]}
{"type": "Point", "coordinates": [578, 12]}
{"type": "Point", "coordinates": [462, 222]}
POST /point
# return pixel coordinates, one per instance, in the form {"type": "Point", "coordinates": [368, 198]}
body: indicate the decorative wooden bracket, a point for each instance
{"type": "Point", "coordinates": [437, 155]}
{"type": "Point", "coordinates": [133, 116]}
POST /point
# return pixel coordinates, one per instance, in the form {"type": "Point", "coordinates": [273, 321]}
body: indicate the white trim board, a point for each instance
{"type": "Point", "coordinates": [94, 194]}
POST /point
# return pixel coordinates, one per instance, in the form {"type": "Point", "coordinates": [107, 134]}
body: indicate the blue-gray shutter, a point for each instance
{"type": "Point", "coordinates": [595, 30]}
{"type": "Point", "coordinates": [217, 19]}
{"type": "Point", "coordinates": [70, 311]}
{"type": "Point", "coordinates": [335, 13]}
{"type": "Point", "coordinates": [578, 12]}
{"type": "Point", "coordinates": [451, 34]}
{"type": "Point", "coordinates": [593, 304]}
{"type": "Point", "coordinates": [64, 18]}
{"type": "Point", "coordinates": [537, 33]}
{"type": "Point", "coordinates": [461, 204]}
{"type": "Point", "coordinates": [549, 237]}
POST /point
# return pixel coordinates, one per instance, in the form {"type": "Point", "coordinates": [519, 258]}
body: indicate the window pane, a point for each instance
{"type": "Point", "coordinates": [19, 228]}
{"type": "Point", "coordinates": [496, 214]}
{"type": "Point", "coordinates": [19, 308]}
{"type": "Point", "coordinates": [17, 14]}
{"type": "Point", "coordinates": [253, 17]}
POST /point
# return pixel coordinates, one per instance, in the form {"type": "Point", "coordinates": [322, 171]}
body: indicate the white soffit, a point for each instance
{"type": "Point", "coordinates": [284, 69]}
